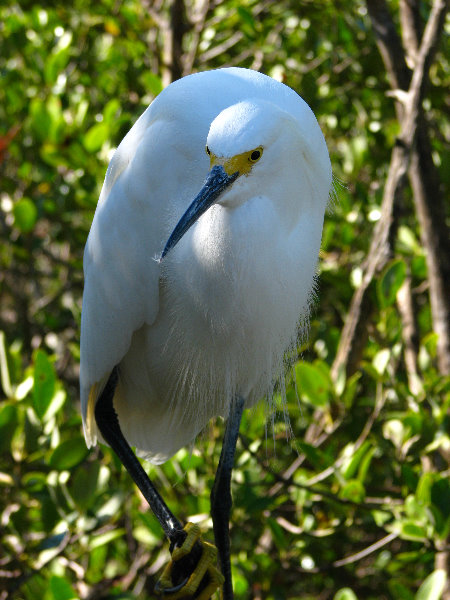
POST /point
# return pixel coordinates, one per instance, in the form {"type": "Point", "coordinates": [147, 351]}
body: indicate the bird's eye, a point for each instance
{"type": "Point", "coordinates": [255, 155]}
{"type": "Point", "coordinates": [207, 150]}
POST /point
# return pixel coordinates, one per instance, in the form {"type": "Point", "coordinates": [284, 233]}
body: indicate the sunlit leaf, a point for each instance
{"type": "Point", "coordinates": [394, 431]}
{"type": "Point", "coordinates": [433, 586]}
{"type": "Point", "coordinates": [55, 64]}
{"type": "Point", "coordinates": [409, 530]}
{"type": "Point", "coordinates": [313, 385]}
{"type": "Point", "coordinates": [152, 83]}
{"type": "Point", "coordinates": [351, 459]}
{"type": "Point", "coordinates": [5, 377]}
{"type": "Point", "coordinates": [390, 281]}
{"type": "Point", "coordinates": [106, 538]}
{"type": "Point", "coordinates": [25, 214]}
{"type": "Point", "coordinates": [353, 490]}
{"type": "Point", "coordinates": [96, 136]}
{"type": "Point", "coordinates": [345, 594]}
{"type": "Point", "coordinates": [381, 360]}
{"type": "Point", "coordinates": [61, 589]}
{"type": "Point", "coordinates": [8, 424]}
{"type": "Point", "coordinates": [44, 383]}
{"type": "Point", "coordinates": [40, 118]}
{"type": "Point", "coordinates": [69, 454]}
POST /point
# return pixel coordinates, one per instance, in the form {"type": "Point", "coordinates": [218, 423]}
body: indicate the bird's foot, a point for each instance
{"type": "Point", "coordinates": [200, 577]}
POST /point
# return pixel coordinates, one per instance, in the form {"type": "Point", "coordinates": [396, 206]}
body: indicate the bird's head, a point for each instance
{"type": "Point", "coordinates": [248, 145]}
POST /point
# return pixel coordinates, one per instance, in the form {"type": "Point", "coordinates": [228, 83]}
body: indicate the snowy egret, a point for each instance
{"type": "Point", "coordinates": [183, 322]}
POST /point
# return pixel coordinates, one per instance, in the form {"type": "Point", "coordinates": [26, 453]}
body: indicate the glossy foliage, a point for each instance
{"type": "Point", "coordinates": [368, 461]}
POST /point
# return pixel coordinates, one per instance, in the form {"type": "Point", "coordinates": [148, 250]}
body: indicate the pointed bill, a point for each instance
{"type": "Point", "coordinates": [216, 182]}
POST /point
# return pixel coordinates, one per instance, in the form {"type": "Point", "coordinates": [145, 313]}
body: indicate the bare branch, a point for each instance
{"type": "Point", "coordinates": [410, 335]}
{"type": "Point", "coordinates": [228, 43]}
{"type": "Point", "coordinates": [429, 206]}
{"type": "Point", "coordinates": [198, 20]}
{"type": "Point", "coordinates": [372, 548]}
{"type": "Point", "coordinates": [411, 29]}
{"type": "Point", "coordinates": [389, 44]}
{"type": "Point", "coordinates": [400, 159]}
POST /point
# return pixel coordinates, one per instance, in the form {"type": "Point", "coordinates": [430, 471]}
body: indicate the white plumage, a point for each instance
{"type": "Point", "coordinates": [215, 317]}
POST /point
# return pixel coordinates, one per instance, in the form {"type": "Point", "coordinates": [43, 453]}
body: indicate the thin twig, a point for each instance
{"type": "Point", "coordinates": [369, 550]}
{"type": "Point", "coordinates": [308, 487]}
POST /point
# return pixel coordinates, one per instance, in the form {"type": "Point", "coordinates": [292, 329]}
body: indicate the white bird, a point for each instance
{"type": "Point", "coordinates": [194, 288]}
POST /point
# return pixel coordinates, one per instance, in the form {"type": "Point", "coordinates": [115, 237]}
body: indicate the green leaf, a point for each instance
{"type": "Point", "coordinates": [419, 267]}
{"type": "Point", "coordinates": [345, 594]}
{"type": "Point", "coordinates": [351, 387]}
{"type": "Point", "coordinates": [440, 494]}
{"type": "Point", "coordinates": [55, 64]}
{"type": "Point", "coordinates": [58, 127]}
{"type": "Point", "coordinates": [430, 342]}
{"type": "Point", "coordinates": [246, 16]}
{"type": "Point", "coordinates": [433, 586]}
{"type": "Point", "coordinates": [68, 454]}
{"type": "Point", "coordinates": [381, 360]}
{"type": "Point", "coordinates": [390, 281]}
{"type": "Point", "coordinates": [408, 240]}
{"type": "Point", "coordinates": [365, 464]}
{"type": "Point", "coordinates": [352, 459]}
{"type": "Point", "coordinates": [313, 384]}
{"type": "Point", "coordinates": [111, 110]}
{"type": "Point", "coordinates": [241, 583]}
{"type": "Point", "coordinates": [353, 490]}
{"type": "Point", "coordinates": [34, 481]}
{"type": "Point", "coordinates": [96, 136]}
{"type": "Point", "coordinates": [25, 215]}
{"type": "Point", "coordinates": [61, 589]}
{"type": "Point", "coordinates": [44, 383]}
{"type": "Point", "coordinates": [40, 119]}
{"type": "Point", "coordinates": [51, 154]}
{"type": "Point", "coordinates": [409, 530]}
{"type": "Point", "coordinates": [84, 484]}
{"type": "Point", "coordinates": [81, 111]}
{"type": "Point", "coordinates": [55, 404]}
{"type": "Point", "coordinates": [5, 377]}
{"type": "Point", "coordinates": [394, 431]}
{"type": "Point", "coordinates": [316, 457]}
{"type": "Point", "coordinates": [415, 510]}
{"type": "Point", "coordinates": [106, 538]}
{"type": "Point", "coordinates": [145, 536]}
{"type": "Point", "coordinates": [423, 492]}
{"type": "Point", "coordinates": [8, 425]}
{"type": "Point", "coordinates": [370, 370]}
{"type": "Point", "coordinates": [279, 534]}
{"type": "Point", "coordinates": [399, 591]}
{"type": "Point", "coordinates": [152, 83]}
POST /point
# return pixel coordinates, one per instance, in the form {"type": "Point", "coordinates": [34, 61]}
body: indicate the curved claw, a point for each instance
{"type": "Point", "coordinates": [204, 580]}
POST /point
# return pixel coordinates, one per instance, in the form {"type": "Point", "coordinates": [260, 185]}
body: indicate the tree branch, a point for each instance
{"type": "Point", "coordinates": [410, 335]}
{"type": "Point", "coordinates": [389, 44]}
{"type": "Point", "coordinates": [411, 29]}
{"type": "Point", "coordinates": [198, 23]}
{"type": "Point", "coordinates": [379, 250]}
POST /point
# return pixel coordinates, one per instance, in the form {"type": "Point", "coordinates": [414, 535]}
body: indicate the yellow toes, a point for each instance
{"type": "Point", "coordinates": [203, 581]}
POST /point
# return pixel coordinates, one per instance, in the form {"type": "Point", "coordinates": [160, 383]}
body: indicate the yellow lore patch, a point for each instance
{"type": "Point", "coordinates": [240, 163]}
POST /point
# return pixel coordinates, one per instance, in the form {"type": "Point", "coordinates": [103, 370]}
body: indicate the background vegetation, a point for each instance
{"type": "Point", "coordinates": [357, 505]}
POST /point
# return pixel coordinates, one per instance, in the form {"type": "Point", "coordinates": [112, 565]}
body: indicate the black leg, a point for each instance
{"type": "Point", "coordinates": [221, 494]}
{"type": "Point", "coordinates": [108, 424]}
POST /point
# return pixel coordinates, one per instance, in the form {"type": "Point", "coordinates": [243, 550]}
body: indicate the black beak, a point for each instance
{"type": "Point", "coordinates": [216, 182]}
